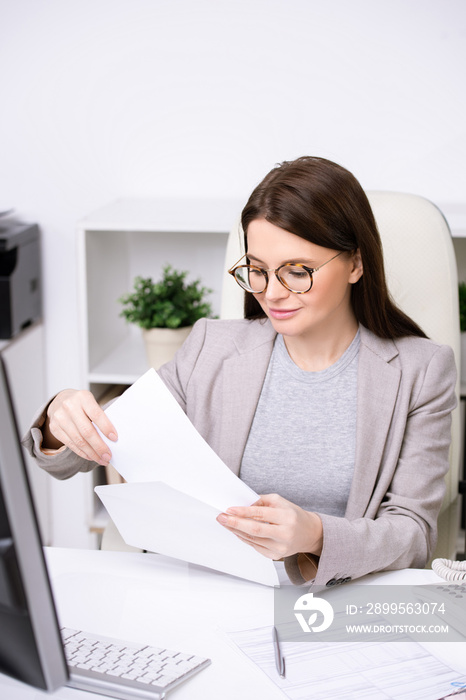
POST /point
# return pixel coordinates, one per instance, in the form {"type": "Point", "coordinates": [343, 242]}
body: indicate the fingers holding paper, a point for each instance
{"type": "Point", "coordinates": [275, 527]}
{"type": "Point", "coordinates": [70, 419]}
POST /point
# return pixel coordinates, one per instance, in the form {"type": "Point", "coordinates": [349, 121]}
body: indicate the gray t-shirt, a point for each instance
{"type": "Point", "coordinates": [302, 440]}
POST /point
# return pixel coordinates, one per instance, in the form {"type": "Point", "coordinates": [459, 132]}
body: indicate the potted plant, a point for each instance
{"type": "Point", "coordinates": [462, 306]}
{"type": "Point", "coordinates": [166, 311]}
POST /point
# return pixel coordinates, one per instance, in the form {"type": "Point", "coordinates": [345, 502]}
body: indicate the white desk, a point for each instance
{"type": "Point", "coordinates": [159, 601]}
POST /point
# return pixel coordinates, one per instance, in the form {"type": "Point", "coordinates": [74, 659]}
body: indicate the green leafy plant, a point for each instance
{"type": "Point", "coordinates": [170, 303]}
{"type": "Point", "coordinates": [462, 300]}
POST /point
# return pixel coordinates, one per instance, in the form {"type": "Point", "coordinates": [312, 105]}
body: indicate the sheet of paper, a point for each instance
{"type": "Point", "coordinates": [158, 442]}
{"type": "Point", "coordinates": [159, 518]}
{"type": "Point", "coordinates": [400, 670]}
{"type": "Point", "coordinates": [177, 485]}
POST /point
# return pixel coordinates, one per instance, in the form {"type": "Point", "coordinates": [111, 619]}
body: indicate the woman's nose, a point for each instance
{"type": "Point", "coordinates": [275, 289]}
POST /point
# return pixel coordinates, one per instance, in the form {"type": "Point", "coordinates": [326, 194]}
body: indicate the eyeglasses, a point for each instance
{"type": "Point", "coordinates": [295, 277]}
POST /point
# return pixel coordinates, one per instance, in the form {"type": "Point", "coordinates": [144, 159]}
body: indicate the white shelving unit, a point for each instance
{"type": "Point", "coordinates": [127, 238]}
{"type": "Point", "coordinates": [138, 237]}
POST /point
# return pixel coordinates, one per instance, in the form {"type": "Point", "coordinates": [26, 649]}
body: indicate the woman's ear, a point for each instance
{"type": "Point", "coordinates": [357, 270]}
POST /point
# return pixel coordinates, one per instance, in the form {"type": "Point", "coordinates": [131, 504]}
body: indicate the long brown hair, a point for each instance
{"type": "Point", "coordinates": [323, 203]}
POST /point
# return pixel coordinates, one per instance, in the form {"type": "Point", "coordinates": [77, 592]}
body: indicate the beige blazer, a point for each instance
{"type": "Point", "coordinates": [405, 398]}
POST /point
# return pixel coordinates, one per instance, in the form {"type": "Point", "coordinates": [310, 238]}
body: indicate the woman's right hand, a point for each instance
{"type": "Point", "coordinates": [69, 422]}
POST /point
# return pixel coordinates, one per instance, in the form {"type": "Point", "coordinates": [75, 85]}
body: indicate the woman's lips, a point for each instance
{"type": "Point", "coordinates": [280, 314]}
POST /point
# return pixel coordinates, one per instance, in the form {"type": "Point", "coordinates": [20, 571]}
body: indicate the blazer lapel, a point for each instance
{"type": "Point", "coordinates": [243, 377]}
{"type": "Point", "coordinates": [378, 383]}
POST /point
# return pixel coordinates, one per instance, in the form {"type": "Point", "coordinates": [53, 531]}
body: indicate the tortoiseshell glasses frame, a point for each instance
{"type": "Point", "coordinates": [295, 277]}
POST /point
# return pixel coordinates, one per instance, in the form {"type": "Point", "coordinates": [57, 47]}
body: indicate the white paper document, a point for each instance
{"type": "Point", "coordinates": [177, 485]}
{"type": "Point", "coordinates": [400, 670]}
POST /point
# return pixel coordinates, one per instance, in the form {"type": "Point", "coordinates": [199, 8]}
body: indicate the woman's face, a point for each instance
{"type": "Point", "coordinates": [327, 306]}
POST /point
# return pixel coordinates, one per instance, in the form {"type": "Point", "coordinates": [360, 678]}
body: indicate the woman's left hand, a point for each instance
{"type": "Point", "coordinates": [275, 527]}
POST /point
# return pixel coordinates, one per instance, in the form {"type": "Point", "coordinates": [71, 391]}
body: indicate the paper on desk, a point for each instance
{"type": "Point", "coordinates": [176, 486]}
{"type": "Point", "coordinates": [398, 669]}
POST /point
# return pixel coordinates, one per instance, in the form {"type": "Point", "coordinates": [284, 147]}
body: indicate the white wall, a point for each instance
{"type": "Point", "coordinates": [109, 98]}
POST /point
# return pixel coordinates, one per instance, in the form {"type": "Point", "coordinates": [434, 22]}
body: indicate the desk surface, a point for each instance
{"type": "Point", "coordinates": [160, 601]}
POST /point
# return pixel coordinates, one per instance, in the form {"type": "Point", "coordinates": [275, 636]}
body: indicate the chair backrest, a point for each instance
{"type": "Point", "coordinates": [422, 278]}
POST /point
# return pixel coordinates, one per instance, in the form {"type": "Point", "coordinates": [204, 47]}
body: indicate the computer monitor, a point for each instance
{"type": "Point", "coordinates": [31, 648]}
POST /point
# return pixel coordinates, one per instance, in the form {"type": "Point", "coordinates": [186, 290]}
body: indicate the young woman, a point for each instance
{"type": "Point", "coordinates": [327, 399]}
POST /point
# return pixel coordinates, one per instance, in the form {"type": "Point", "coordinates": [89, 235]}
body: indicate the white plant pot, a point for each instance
{"type": "Point", "coordinates": [162, 343]}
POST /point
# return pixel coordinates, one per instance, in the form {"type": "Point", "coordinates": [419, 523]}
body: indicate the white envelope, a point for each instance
{"type": "Point", "coordinates": [158, 518]}
{"type": "Point", "coordinates": [177, 485]}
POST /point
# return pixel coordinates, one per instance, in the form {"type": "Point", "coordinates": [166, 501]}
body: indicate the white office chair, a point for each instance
{"type": "Point", "coordinates": [422, 278]}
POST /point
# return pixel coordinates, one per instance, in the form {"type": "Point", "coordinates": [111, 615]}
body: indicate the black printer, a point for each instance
{"type": "Point", "coordinates": [20, 277]}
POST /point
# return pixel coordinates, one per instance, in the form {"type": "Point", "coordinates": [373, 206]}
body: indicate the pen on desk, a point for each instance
{"type": "Point", "coordinates": [279, 658]}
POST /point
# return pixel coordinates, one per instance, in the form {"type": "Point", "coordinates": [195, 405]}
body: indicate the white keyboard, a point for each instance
{"type": "Point", "coordinates": [125, 670]}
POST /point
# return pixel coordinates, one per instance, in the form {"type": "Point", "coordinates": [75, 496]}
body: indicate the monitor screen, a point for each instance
{"type": "Point", "coordinates": [31, 649]}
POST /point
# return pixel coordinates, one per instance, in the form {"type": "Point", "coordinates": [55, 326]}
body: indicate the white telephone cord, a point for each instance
{"type": "Point", "coordinates": [450, 570]}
